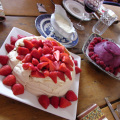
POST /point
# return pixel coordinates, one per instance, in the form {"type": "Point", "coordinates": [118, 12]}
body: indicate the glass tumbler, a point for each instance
{"type": "Point", "coordinates": [104, 22]}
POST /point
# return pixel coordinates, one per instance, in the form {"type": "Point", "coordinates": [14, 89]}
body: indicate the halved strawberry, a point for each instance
{"type": "Point", "coordinates": [4, 59]}
{"type": "Point", "coordinates": [5, 70]}
{"type": "Point", "coordinates": [69, 67]}
{"type": "Point", "coordinates": [28, 44]}
{"type": "Point", "coordinates": [44, 59]}
{"type": "Point", "coordinates": [28, 66]}
{"type": "Point", "coordinates": [9, 80]}
{"type": "Point", "coordinates": [67, 60]}
{"type": "Point", "coordinates": [42, 64]}
{"type": "Point", "coordinates": [9, 47]}
{"type": "Point", "coordinates": [20, 36]}
{"type": "Point", "coordinates": [44, 101]}
{"type": "Point", "coordinates": [76, 62]}
{"type": "Point", "coordinates": [58, 48]}
{"type": "Point", "coordinates": [57, 64]}
{"type": "Point", "coordinates": [18, 89]}
{"type": "Point", "coordinates": [61, 75]}
{"type": "Point", "coordinates": [51, 66]}
{"type": "Point", "coordinates": [46, 73]}
{"type": "Point", "coordinates": [48, 43]}
{"type": "Point", "coordinates": [63, 54]}
{"type": "Point", "coordinates": [35, 54]}
{"type": "Point", "coordinates": [13, 40]}
{"type": "Point", "coordinates": [37, 74]}
{"type": "Point", "coordinates": [64, 103]}
{"type": "Point", "coordinates": [68, 74]}
{"type": "Point", "coordinates": [40, 51]}
{"type": "Point", "coordinates": [27, 58]}
{"type": "Point", "coordinates": [35, 43]}
{"type": "Point", "coordinates": [54, 101]}
{"type": "Point", "coordinates": [46, 50]}
{"type": "Point", "coordinates": [20, 57]}
{"type": "Point", "coordinates": [35, 61]}
{"type": "Point", "coordinates": [54, 43]}
{"type": "Point", "coordinates": [57, 55]}
{"type": "Point", "coordinates": [63, 67]}
{"type": "Point", "coordinates": [53, 76]}
{"type": "Point", "coordinates": [71, 96]}
{"type": "Point", "coordinates": [23, 51]}
{"type": "Point", "coordinates": [77, 69]}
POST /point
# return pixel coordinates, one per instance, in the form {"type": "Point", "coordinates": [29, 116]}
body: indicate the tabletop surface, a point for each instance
{"type": "Point", "coordinates": [94, 84]}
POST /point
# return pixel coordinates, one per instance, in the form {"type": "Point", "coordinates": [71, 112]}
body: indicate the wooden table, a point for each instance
{"type": "Point", "coordinates": [94, 84]}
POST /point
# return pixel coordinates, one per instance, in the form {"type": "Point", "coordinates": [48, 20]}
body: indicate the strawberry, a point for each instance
{"type": "Point", "coordinates": [4, 59]}
{"type": "Point", "coordinates": [37, 74]}
{"type": "Point", "coordinates": [46, 50]}
{"type": "Point", "coordinates": [53, 76]}
{"type": "Point", "coordinates": [69, 67]}
{"type": "Point", "coordinates": [51, 66]}
{"type": "Point", "coordinates": [54, 101]}
{"type": "Point", "coordinates": [35, 61]}
{"type": "Point", "coordinates": [18, 89]}
{"type": "Point", "coordinates": [23, 51]}
{"type": "Point", "coordinates": [28, 66]}
{"type": "Point", "coordinates": [57, 64]}
{"type": "Point", "coordinates": [57, 55]}
{"type": "Point", "coordinates": [35, 43]}
{"type": "Point", "coordinates": [77, 69]}
{"type": "Point", "coordinates": [40, 51]}
{"type": "Point", "coordinates": [5, 70]}
{"type": "Point", "coordinates": [71, 96]}
{"type": "Point", "coordinates": [40, 43]}
{"type": "Point", "coordinates": [63, 54]}
{"type": "Point", "coordinates": [75, 62]}
{"type": "Point", "coordinates": [9, 47]}
{"type": "Point", "coordinates": [28, 44]}
{"type": "Point", "coordinates": [20, 57]}
{"type": "Point", "coordinates": [61, 75]}
{"type": "Point", "coordinates": [13, 40]}
{"type": "Point", "coordinates": [48, 43]}
{"type": "Point", "coordinates": [58, 48]}
{"type": "Point", "coordinates": [20, 36]}
{"type": "Point", "coordinates": [44, 101]}
{"type": "Point", "coordinates": [35, 54]}
{"type": "Point", "coordinates": [44, 59]}
{"type": "Point", "coordinates": [68, 74]}
{"type": "Point", "coordinates": [9, 80]}
{"type": "Point", "coordinates": [67, 60]}
{"type": "Point", "coordinates": [27, 58]}
{"type": "Point", "coordinates": [62, 67]}
{"type": "Point", "coordinates": [54, 43]}
{"type": "Point", "coordinates": [64, 103]}
{"type": "Point", "coordinates": [41, 65]}
{"type": "Point", "coordinates": [46, 73]}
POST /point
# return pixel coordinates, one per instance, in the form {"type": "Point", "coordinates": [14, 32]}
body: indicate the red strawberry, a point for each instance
{"type": "Point", "coordinates": [76, 62]}
{"type": "Point", "coordinates": [5, 70]}
{"type": "Point", "coordinates": [41, 65]}
{"type": "Point", "coordinates": [27, 58]}
{"type": "Point", "coordinates": [62, 67]}
{"type": "Point", "coordinates": [77, 69]}
{"type": "Point", "coordinates": [53, 76]}
{"type": "Point", "coordinates": [48, 43]}
{"type": "Point", "coordinates": [63, 54]}
{"type": "Point", "coordinates": [61, 75]}
{"type": "Point", "coordinates": [35, 61]}
{"type": "Point", "coordinates": [54, 43]}
{"type": "Point", "coordinates": [46, 50]}
{"type": "Point", "coordinates": [40, 51]}
{"type": "Point", "coordinates": [67, 60]}
{"type": "Point", "coordinates": [44, 101]}
{"type": "Point", "coordinates": [37, 74]}
{"type": "Point", "coordinates": [51, 66]}
{"type": "Point", "coordinates": [44, 59]}
{"type": "Point", "coordinates": [68, 74]}
{"type": "Point", "coordinates": [64, 103]}
{"type": "Point", "coordinates": [40, 43]}
{"type": "Point", "coordinates": [28, 44]}
{"type": "Point", "coordinates": [58, 48]}
{"type": "Point", "coordinates": [18, 89]}
{"type": "Point", "coordinates": [13, 40]}
{"type": "Point", "coordinates": [9, 80]}
{"type": "Point", "coordinates": [35, 43]}
{"type": "Point", "coordinates": [20, 36]}
{"type": "Point", "coordinates": [57, 64]}
{"type": "Point", "coordinates": [9, 47]}
{"type": "Point", "coordinates": [23, 51]}
{"type": "Point", "coordinates": [20, 57]}
{"type": "Point", "coordinates": [57, 55]}
{"type": "Point", "coordinates": [4, 59]}
{"type": "Point", "coordinates": [71, 96]}
{"type": "Point", "coordinates": [46, 73]}
{"type": "Point", "coordinates": [28, 66]}
{"type": "Point", "coordinates": [54, 101]}
{"type": "Point", "coordinates": [69, 67]}
{"type": "Point", "coordinates": [35, 54]}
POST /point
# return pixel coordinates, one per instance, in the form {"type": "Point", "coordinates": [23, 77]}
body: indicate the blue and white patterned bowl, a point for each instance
{"type": "Point", "coordinates": [43, 26]}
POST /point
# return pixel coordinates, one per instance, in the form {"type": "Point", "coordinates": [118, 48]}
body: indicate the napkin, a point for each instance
{"type": "Point", "coordinates": [92, 113]}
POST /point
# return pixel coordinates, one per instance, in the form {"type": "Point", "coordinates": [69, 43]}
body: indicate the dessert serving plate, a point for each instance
{"type": "Point", "coordinates": [32, 100]}
{"type": "Point", "coordinates": [44, 27]}
{"type": "Point", "coordinates": [85, 52]}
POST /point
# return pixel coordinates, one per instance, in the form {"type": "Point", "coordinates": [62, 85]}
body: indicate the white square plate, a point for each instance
{"type": "Point", "coordinates": [32, 100]}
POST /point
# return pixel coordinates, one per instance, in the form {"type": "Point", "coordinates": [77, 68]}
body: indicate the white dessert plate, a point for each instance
{"type": "Point", "coordinates": [32, 100]}
{"type": "Point", "coordinates": [85, 52]}
{"type": "Point", "coordinates": [76, 8]}
{"type": "Point", "coordinates": [44, 27]}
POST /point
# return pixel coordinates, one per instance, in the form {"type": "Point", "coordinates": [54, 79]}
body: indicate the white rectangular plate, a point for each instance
{"type": "Point", "coordinates": [28, 98]}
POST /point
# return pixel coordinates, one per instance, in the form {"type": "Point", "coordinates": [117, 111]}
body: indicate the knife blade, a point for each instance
{"type": "Point", "coordinates": [111, 108]}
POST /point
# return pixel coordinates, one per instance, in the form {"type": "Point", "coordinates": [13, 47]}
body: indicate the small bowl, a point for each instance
{"type": "Point", "coordinates": [86, 51]}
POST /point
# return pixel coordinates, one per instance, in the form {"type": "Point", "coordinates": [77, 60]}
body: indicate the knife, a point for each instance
{"type": "Point", "coordinates": [111, 108]}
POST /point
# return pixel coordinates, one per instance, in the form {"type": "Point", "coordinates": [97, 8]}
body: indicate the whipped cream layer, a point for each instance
{"type": "Point", "coordinates": [38, 86]}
